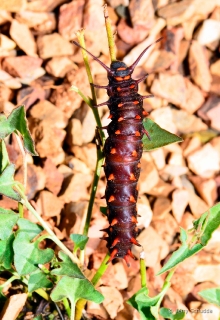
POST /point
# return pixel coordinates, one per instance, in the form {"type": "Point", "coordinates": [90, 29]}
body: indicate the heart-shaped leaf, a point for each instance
{"type": "Point", "coordinates": [75, 289]}
{"type": "Point", "coordinates": [27, 255]}
{"type": "Point", "coordinates": [158, 136]}
{"type": "Point", "coordinates": [79, 241]}
{"type": "Point", "coordinates": [7, 182]}
{"type": "Point", "coordinates": [67, 268]}
{"type": "Point", "coordinates": [17, 121]}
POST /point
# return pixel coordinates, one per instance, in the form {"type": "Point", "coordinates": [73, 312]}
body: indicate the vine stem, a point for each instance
{"type": "Point", "coordinates": [99, 273]}
{"type": "Point", "coordinates": [53, 237]}
{"type": "Point", "coordinates": [101, 270]}
{"type": "Point", "coordinates": [111, 42]}
{"type": "Point", "coordinates": [143, 270]}
{"type": "Point", "coordinates": [81, 39]}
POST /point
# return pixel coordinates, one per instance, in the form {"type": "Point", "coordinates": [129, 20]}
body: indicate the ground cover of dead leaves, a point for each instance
{"type": "Point", "coordinates": [178, 182]}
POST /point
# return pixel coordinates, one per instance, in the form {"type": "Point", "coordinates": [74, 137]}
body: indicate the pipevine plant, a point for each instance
{"type": "Point", "coordinates": [59, 279]}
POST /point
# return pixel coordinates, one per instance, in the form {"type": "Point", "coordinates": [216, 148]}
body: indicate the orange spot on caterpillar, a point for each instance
{"type": "Point", "coordinates": [112, 198]}
{"type": "Point", "coordinates": [120, 119]}
{"type": "Point", "coordinates": [137, 188]}
{"type": "Point", "coordinates": [135, 102]}
{"type": "Point", "coordinates": [117, 132]}
{"type": "Point", "coordinates": [134, 153]}
{"type": "Point", "coordinates": [119, 78]}
{"type": "Point", "coordinates": [110, 116]}
{"type": "Point", "coordinates": [145, 113]}
{"type": "Point", "coordinates": [118, 89]}
{"type": "Point", "coordinates": [137, 117]}
{"type": "Point", "coordinates": [113, 151]}
{"type": "Point", "coordinates": [132, 86]}
{"type": "Point", "coordinates": [136, 229]}
{"type": "Point", "coordinates": [122, 68]}
{"type": "Point", "coordinates": [111, 177]}
{"type": "Point", "coordinates": [116, 241]}
{"type": "Point", "coordinates": [127, 77]}
{"type": "Point", "coordinates": [133, 219]}
{"type": "Point", "coordinates": [139, 165]}
{"type": "Point", "coordinates": [114, 221]}
{"type": "Point", "coordinates": [132, 177]}
{"type": "Point", "coordinates": [132, 199]}
{"type": "Point", "coordinates": [120, 105]}
{"type": "Point", "coordinates": [137, 134]}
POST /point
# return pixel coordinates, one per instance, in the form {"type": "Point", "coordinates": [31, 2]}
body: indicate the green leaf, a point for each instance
{"type": "Point", "coordinates": [8, 219]}
{"type": "Point", "coordinates": [159, 137]}
{"type": "Point", "coordinates": [211, 295]}
{"type": "Point", "coordinates": [212, 223]}
{"type": "Point", "coordinates": [147, 307]}
{"type": "Point", "coordinates": [5, 129]}
{"type": "Point", "coordinates": [4, 160]}
{"type": "Point", "coordinates": [209, 222]}
{"type": "Point", "coordinates": [167, 314]}
{"type": "Point", "coordinates": [17, 121]}
{"type": "Point", "coordinates": [75, 289]}
{"type": "Point", "coordinates": [37, 280]}
{"type": "Point", "coordinates": [6, 252]}
{"type": "Point", "coordinates": [7, 182]}
{"type": "Point", "coordinates": [181, 254]}
{"type": "Point", "coordinates": [29, 228]}
{"type": "Point", "coordinates": [79, 241]}
{"type": "Point", "coordinates": [27, 255]}
{"type": "Point", "coordinates": [104, 210]}
{"type": "Point", "coordinates": [67, 267]}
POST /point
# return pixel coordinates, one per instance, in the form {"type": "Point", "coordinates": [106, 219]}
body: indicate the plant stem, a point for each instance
{"type": "Point", "coordinates": [111, 42]}
{"type": "Point", "coordinates": [98, 169]}
{"type": "Point", "coordinates": [101, 270]}
{"type": "Point", "coordinates": [99, 273]}
{"type": "Point", "coordinates": [80, 36]}
{"type": "Point", "coordinates": [53, 237]}
{"type": "Point", "coordinates": [67, 306]}
{"type": "Point", "coordinates": [143, 270]}
{"type": "Point", "coordinates": [21, 210]}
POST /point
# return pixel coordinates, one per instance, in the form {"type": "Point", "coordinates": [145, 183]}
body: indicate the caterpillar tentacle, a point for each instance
{"type": "Point", "coordinates": [123, 150]}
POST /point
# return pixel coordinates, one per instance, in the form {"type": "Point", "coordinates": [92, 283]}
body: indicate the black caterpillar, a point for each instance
{"type": "Point", "coordinates": [123, 150]}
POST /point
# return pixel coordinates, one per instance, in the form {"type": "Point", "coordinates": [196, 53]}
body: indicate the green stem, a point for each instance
{"type": "Point", "coordinates": [67, 307]}
{"type": "Point", "coordinates": [21, 210]}
{"type": "Point", "coordinates": [111, 42]}
{"type": "Point", "coordinates": [101, 270]}
{"type": "Point", "coordinates": [99, 273]}
{"type": "Point", "coordinates": [143, 270]}
{"type": "Point", "coordinates": [98, 169]}
{"type": "Point", "coordinates": [25, 202]}
{"type": "Point", "coordinates": [80, 36]}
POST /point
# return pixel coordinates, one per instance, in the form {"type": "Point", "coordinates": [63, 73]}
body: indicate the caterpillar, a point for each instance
{"type": "Point", "coordinates": [123, 150]}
